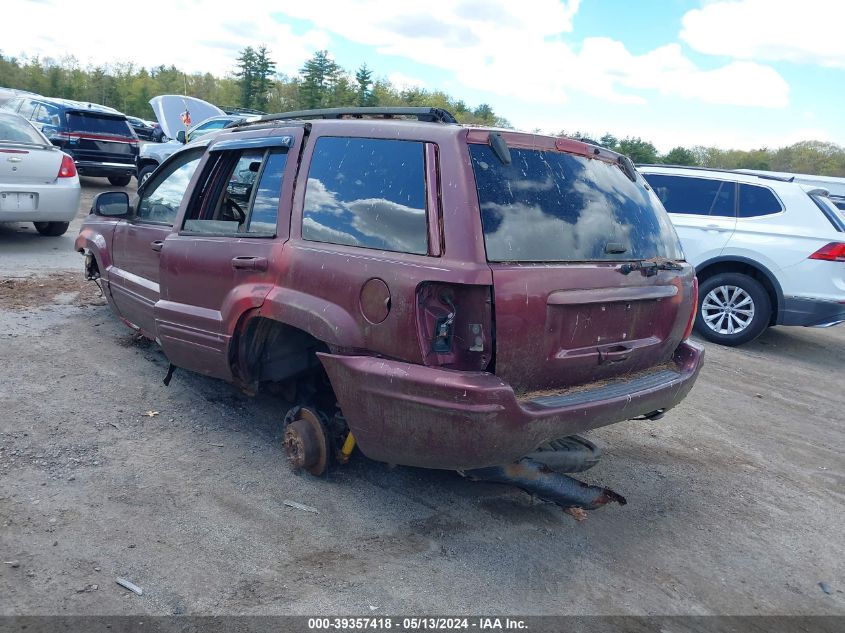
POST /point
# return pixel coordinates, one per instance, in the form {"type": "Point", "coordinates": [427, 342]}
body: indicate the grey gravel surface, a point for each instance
{"type": "Point", "coordinates": [735, 498]}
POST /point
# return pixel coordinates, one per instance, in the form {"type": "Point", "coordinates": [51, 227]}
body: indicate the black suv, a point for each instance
{"type": "Point", "coordinates": [100, 140]}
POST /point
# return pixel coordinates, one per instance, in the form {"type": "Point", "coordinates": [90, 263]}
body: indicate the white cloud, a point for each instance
{"type": "Point", "coordinates": [807, 32]}
{"type": "Point", "coordinates": [192, 35]}
{"type": "Point", "coordinates": [405, 82]}
{"type": "Point", "coordinates": [499, 47]}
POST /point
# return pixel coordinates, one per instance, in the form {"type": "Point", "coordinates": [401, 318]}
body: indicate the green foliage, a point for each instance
{"type": "Point", "coordinates": [638, 150]}
{"type": "Point", "coordinates": [680, 156]}
{"type": "Point", "coordinates": [320, 78]}
{"type": "Point", "coordinates": [364, 79]}
{"type": "Point", "coordinates": [253, 84]}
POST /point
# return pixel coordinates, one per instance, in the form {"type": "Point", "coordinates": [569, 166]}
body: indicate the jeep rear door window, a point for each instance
{"type": "Point", "coordinates": [95, 123]}
{"type": "Point", "coordinates": [367, 192]}
{"type": "Point", "coordinates": [755, 201]}
{"type": "Point", "coordinates": [553, 206]}
{"type": "Point", "coordinates": [694, 196]}
{"type": "Point", "coordinates": [239, 193]}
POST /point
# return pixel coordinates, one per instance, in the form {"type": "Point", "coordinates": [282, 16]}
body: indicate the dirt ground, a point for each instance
{"type": "Point", "coordinates": [735, 498]}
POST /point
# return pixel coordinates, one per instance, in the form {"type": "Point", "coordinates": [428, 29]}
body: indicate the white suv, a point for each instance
{"type": "Point", "coordinates": [767, 251]}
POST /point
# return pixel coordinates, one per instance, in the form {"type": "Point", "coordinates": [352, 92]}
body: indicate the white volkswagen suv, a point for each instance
{"type": "Point", "coordinates": [767, 251]}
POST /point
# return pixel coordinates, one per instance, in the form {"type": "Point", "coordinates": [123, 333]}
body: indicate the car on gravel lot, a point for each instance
{"type": "Point", "coordinates": [98, 138]}
{"type": "Point", "coordinates": [767, 250]}
{"type": "Point", "coordinates": [447, 296]}
{"type": "Point", "coordinates": [38, 182]}
{"type": "Point", "coordinates": [170, 111]}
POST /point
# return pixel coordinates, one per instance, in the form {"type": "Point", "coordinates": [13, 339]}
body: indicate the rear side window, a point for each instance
{"type": "Point", "coordinates": [95, 123]}
{"type": "Point", "coordinates": [553, 206]}
{"type": "Point", "coordinates": [755, 201]}
{"type": "Point", "coordinates": [13, 129]}
{"type": "Point", "coordinates": [368, 193]}
{"type": "Point", "coordinates": [239, 193]}
{"type": "Point", "coordinates": [694, 196]}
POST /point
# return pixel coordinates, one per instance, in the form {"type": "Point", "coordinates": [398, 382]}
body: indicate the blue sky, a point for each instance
{"type": "Point", "coordinates": [730, 73]}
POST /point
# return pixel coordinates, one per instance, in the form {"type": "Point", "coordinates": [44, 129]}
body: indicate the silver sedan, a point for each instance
{"type": "Point", "coordinates": [38, 182]}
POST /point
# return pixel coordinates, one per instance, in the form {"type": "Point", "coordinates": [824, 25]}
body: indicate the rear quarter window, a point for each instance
{"type": "Point", "coordinates": [755, 201]}
{"type": "Point", "coordinates": [694, 196]}
{"type": "Point", "coordinates": [553, 206]}
{"type": "Point", "coordinates": [368, 193]}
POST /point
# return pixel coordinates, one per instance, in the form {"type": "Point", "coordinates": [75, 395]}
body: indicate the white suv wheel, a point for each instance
{"type": "Point", "coordinates": [727, 309]}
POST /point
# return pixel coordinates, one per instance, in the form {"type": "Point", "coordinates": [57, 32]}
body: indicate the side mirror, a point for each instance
{"type": "Point", "coordinates": [111, 204]}
{"type": "Point", "coordinates": [180, 136]}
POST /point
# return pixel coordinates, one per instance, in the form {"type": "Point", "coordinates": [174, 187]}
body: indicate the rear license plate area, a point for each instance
{"type": "Point", "coordinates": [18, 201]}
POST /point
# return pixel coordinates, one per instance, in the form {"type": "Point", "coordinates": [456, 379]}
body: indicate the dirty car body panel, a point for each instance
{"type": "Point", "coordinates": [441, 352]}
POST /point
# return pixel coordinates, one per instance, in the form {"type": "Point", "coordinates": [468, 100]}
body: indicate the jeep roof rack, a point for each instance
{"type": "Point", "coordinates": [429, 115]}
{"type": "Point", "coordinates": [719, 169]}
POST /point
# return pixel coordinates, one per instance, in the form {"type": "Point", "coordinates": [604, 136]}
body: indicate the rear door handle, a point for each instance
{"type": "Point", "coordinates": [157, 245]}
{"type": "Point", "coordinates": [249, 263]}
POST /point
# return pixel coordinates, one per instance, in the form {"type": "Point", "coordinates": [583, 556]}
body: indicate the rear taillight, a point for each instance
{"type": "Point", "coordinates": [68, 168]}
{"type": "Point", "coordinates": [833, 252]}
{"type": "Point", "coordinates": [691, 322]}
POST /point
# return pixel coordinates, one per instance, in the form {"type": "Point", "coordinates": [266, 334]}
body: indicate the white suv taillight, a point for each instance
{"type": "Point", "coordinates": [833, 252]}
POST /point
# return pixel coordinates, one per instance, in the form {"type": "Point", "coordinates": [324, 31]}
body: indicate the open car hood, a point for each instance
{"type": "Point", "coordinates": [169, 108]}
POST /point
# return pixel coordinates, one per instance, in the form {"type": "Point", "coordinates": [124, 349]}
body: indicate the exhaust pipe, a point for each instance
{"type": "Point", "coordinates": [541, 481]}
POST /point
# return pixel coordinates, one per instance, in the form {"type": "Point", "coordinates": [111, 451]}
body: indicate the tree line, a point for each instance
{"type": "Point", "coordinates": [322, 82]}
{"type": "Point", "coordinates": [254, 83]}
{"type": "Point", "coordinates": [805, 157]}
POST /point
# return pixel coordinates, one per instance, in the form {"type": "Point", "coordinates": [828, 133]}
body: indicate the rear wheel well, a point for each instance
{"type": "Point", "coordinates": [733, 266]}
{"type": "Point", "coordinates": [272, 353]}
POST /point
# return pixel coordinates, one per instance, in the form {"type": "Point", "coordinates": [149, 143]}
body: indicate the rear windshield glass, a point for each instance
{"type": "Point", "coordinates": [97, 124]}
{"type": "Point", "coordinates": [553, 206]}
{"type": "Point", "coordinates": [14, 129]}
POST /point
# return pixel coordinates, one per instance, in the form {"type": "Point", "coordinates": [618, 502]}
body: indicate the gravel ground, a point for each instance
{"type": "Point", "coordinates": [735, 498]}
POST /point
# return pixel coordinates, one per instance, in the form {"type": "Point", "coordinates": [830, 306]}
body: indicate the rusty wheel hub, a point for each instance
{"type": "Point", "coordinates": [306, 441]}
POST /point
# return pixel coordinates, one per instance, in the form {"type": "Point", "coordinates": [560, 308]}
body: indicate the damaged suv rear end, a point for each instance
{"type": "Point", "coordinates": [576, 314]}
{"type": "Point", "coordinates": [447, 297]}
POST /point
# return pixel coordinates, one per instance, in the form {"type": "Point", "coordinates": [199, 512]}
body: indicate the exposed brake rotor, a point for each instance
{"type": "Point", "coordinates": [306, 440]}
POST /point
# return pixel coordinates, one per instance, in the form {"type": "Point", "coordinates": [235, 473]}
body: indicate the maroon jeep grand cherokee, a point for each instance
{"type": "Point", "coordinates": [454, 296]}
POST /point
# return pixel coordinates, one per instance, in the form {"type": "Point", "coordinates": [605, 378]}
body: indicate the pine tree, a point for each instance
{"type": "Point", "coordinates": [364, 79]}
{"type": "Point", "coordinates": [264, 69]}
{"type": "Point", "coordinates": [320, 75]}
{"type": "Point", "coordinates": [247, 73]}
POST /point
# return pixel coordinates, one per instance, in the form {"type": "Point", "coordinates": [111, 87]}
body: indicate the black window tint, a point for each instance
{"type": "Point", "coordinates": [95, 123]}
{"type": "Point", "coordinates": [554, 206]}
{"type": "Point", "coordinates": [238, 193]}
{"type": "Point", "coordinates": [162, 196]}
{"type": "Point", "coordinates": [755, 201]}
{"type": "Point", "coordinates": [367, 192]}
{"type": "Point", "coordinates": [695, 196]}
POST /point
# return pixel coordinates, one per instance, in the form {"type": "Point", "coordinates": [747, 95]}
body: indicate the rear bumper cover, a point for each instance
{"type": "Point", "coordinates": [408, 414]}
{"type": "Point", "coordinates": [811, 312]}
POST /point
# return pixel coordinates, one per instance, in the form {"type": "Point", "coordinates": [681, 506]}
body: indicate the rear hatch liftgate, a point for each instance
{"type": "Point", "coordinates": [566, 232]}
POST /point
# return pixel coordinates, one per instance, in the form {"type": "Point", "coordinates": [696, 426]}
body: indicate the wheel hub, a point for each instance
{"type": "Point", "coordinates": [306, 441]}
{"type": "Point", "coordinates": [727, 309]}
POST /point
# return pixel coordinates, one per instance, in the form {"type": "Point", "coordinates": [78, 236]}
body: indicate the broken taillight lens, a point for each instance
{"type": "Point", "coordinates": [691, 322]}
{"type": "Point", "coordinates": [833, 252]}
{"type": "Point", "coordinates": [67, 168]}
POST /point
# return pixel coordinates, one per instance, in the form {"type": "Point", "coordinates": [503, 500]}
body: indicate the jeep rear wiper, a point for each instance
{"type": "Point", "coordinates": [650, 267]}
